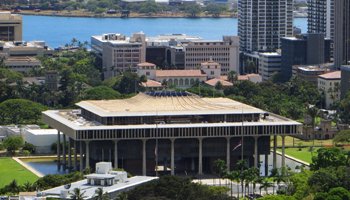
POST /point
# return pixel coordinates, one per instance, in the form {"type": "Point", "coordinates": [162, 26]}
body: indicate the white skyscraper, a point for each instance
{"type": "Point", "coordinates": [262, 23]}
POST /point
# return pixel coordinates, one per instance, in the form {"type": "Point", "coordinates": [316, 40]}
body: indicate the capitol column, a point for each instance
{"type": "Point", "coordinates": [64, 152]}
{"type": "Point", "coordinates": [81, 157]}
{"type": "Point", "coordinates": [75, 156]}
{"type": "Point", "coordinates": [256, 155]}
{"type": "Point", "coordinates": [144, 164]}
{"type": "Point", "coordinates": [228, 153]}
{"type": "Point", "coordinates": [172, 157]}
{"type": "Point", "coordinates": [283, 152]}
{"type": "Point", "coordinates": [200, 160]}
{"type": "Point", "coordinates": [87, 153]}
{"type": "Point", "coordinates": [115, 153]}
{"type": "Point", "coordinates": [274, 159]}
{"type": "Point", "coordinates": [58, 151]}
{"type": "Point", "coordinates": [69, 154]}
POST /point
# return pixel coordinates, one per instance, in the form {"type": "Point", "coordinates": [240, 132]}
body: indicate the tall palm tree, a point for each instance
{"type": "Point", "coordinates": [99, 195]}
{"type": "Point", "coordinates": [265, 183]}
{"type": "Point", "coordinates": [232, 76]}
{"type": "Point", "coordinates": [234, 176]}
{"type": "Point", "coordinates": [77, 194]}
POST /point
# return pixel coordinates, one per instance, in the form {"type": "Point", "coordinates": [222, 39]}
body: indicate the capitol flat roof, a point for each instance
{"type": "Point", "coordinates": [147, 105]}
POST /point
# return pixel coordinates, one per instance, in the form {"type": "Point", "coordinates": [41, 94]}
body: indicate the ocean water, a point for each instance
{"type": "Point", "coordinates": [58, 31]}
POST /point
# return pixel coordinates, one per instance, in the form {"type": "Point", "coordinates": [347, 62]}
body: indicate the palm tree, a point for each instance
{"type": "Point", "coordinates": [313, 112]}
{"type": "Point", "coordinates": [27, 187]}
{"type": "Point", "coordinates": [265, 184]}
{"type": "Point", "coordinates": [235, 177]}
{"type": "Point", "coordinates": [232, 76]}
{"type": "Point", "coordinates": [77, 194]}
{"type": "Point", "coordinates": [220, 168]}
{"type": "Point", "coordinates": [122, 196]}
{"type": "Point", "coordinates": [99, 195]}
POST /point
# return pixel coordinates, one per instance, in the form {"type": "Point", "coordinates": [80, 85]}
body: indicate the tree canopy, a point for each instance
{"type": "Point", "coordinates": [20, 111]}
{"type": "Point", "coordinates": [100, 92]}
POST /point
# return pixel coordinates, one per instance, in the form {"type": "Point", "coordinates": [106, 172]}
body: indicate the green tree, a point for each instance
{"type": "Point", "coordinates": [100, 93]}
{"type": "Point", "coordinates": [215, 9]}
{"type": "Point", "coordinates": [192, 9]}
{"type": "Point", "coordinates": [77, 194]}
{"type": "Point", "coordinates": [20, 111]}
{"type": "Point", "coordinates": [328, 157]}
{"type": "Point", "coordinates": [99, 195]}
{"type": "Point", "coordinates": [342, 137]}
{"type": "Point", "coordinates": [220, 168]}
{"type": "Point", "coordinates": [130, 83]}
{"type": "Point", "coordinates": [265, 184]}
{"type": "Point", "coordinates": [13, 143]}
{"type": "Point", "coordinates": [343, 109]}
{"type": "Point", "coordinates": [29, 147]}
{"type": "Point", "coordinates": [232, 76]}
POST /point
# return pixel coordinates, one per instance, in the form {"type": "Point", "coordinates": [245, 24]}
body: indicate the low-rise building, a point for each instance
{"type": "Point", "coordinates": [22, 48]}
{"type": "Point", "coordinates": [329, 84]}
{"type": "Point", "coordinates": [269, 64]}
{"type": "Point", "coordinates": [22, 63]}
{"type": "Point", "coordinates": [42, 139]}
{"type": "Point", "coordinates": [345, 80]}
{"type": "Point", "coordinates": [178, 78]}
{"type": "Point", "coordinates": [111, 182]}
{"type": "Point", "coordinates": [310, 73]}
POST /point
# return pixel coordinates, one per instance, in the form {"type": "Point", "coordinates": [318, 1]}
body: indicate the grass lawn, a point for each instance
{"type": "Point", "coordinates": [289, 142]}
{"type": "Point", "coordinates": [304, 155]}
{"type": "Point", "coordinates": [10, 169]}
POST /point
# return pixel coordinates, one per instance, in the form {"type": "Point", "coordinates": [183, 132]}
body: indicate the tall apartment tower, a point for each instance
{"type": "Point", "coordinates": [262, 23]}
{"type": "Point", "coordinates": [321, 17]}
{"type": "Point", "coordinates": [342, 33]}
{"type": "Point", "coordinates": [10, 27]}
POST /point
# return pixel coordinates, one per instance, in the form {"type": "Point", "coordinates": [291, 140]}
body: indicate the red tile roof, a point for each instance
{"type": "Point", "coordinates": [214, 81]}
{"type": "Point", "coordinates": [331, 75]}
{"type": "Point", "coordinates": [146, 64]}
{"type": "Point", "coordinates": [151, 83]}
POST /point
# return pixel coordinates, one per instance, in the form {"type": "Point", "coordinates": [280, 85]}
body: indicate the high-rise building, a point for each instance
{"type": "Point", "coordinates": [10, 27]}
{"type": "Point", "coordinates": [321, 17]}
{"type": "Point", "coordinates": [119, 53]}
{"type": "Point", "coordinates": [225, 52]}
{"type": "Point", "coordinates": [312, 49]}
{"type": "Point", "coordinates": [342, 33]}
{"type": "Point", "coordinates": [262, 23]}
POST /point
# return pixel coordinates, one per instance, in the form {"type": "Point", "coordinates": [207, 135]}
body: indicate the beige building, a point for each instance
{"type": "Point", "coordinates": [22, 48]}
{"type": "Point", "coordinates": [178, 78]}
{"type": "Point", "coordinates": [10, 27]}
{"type": "Point", "coordinates": [119, 53]}
{"type": "Point", "coordinates": [22, 63]}
{"type": "Point", "coordinates": [225, 52]}
{"type": "Point", "coordinates": [329, 84]}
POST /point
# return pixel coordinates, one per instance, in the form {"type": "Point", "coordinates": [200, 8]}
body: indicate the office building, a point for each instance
{"type": "Point", "coordinates": [345, 80]}
{"type": "Point", "coordinates": [225, 52]}
{"type": "Point", "coordinates": [310, 73]}
{"type": "Point", "coordinates": [342, 33]}
{"type": "Point", "coordinates": [329, 85]}
{"type": "Point", "coordinates": [119, 53]}
{"type": "Point", "coordinates": [262, 23]}
{"type": "Point", "coordinates": [307, 49]}
{"type": "Point", "coordinates": [321, 17]}
{"type": "Point", "coordinates": [180, 131]}
{"type": "Point", "coordinates": [23, 48]}
{"type": "Point", "coordinates": [269, 64]}
{"type": "Point", "coordinates": [10, 27]}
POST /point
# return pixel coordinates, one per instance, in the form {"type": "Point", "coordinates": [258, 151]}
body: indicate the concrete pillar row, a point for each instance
{"type": "Point", "coordinates": [256, 155]}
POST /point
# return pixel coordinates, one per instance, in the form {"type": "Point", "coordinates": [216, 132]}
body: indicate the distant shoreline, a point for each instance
{"type": "Point", "coordinates": [132, 15]}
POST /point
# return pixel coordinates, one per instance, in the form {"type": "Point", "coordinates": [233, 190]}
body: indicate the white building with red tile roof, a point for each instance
{"type": "Point", "coordinates": [329, 84]}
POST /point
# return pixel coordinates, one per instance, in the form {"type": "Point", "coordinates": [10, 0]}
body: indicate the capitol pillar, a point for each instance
{"type": "Point", "coordinates": [87, 153]}
{"type": "Point", "coordinates": [200, 161]}
{"type": "Point", "coordinates": [58, 151]}
{"type": "Point", "coordinates": [228, 153]}
{"type": "Point", "coordinates": [144, 164]}
{"type": "Point", "coordinates": [172, 157]}
{"type": "Point", "coordinates": [115, 153]}
{"type": "Point", "coordinates": [256, 155]}
{"type": "Point", "coordinates": [274, 159]}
